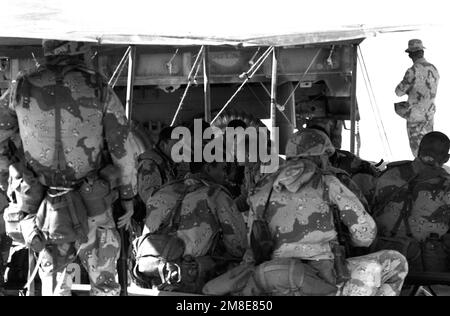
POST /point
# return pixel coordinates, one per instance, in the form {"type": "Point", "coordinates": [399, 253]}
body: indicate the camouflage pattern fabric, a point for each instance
{"type": "Point", "coordinates": [333, 128]}
{"type": "Point", "coordinates": [300, 219]}
{"type": "Point", "coordinates": [309, 142]}
{"type": "Point", "coordinates": [430, 212]}
{"type": "Point", "coordinates": [378, 274]}
{"type": "Point", "coordinates": [416, 131]}
{"type": "Point", "coordinates": [205, 212]}
{"type": "Point", "coordinates": [351, 163]}
{"type": "Point", "coordinates": [57, 48]}
{"type": "Point", "coordinates": [154, 170]}
{"type": "Point", "coordinates": [346, 180]}
{"type": "Point", "coordinates": [420, 83]}
{"type": "Point", "coordinates": [302, 225]}
{"type": "Point", "coordinates": [99, 256]}
{"type": "Point", "coordinates": [88, 113]}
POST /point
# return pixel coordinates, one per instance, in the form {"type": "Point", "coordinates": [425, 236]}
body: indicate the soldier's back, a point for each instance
{"type": "Point", "coordinates": [61, 106]}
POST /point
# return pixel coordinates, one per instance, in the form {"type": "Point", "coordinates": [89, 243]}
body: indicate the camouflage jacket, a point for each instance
{"type": "Point", "coordinates": [154, 170]}
{"type": "Point", "coordinates": [430, 196]}
{"type": "Point", "coordinates": [68, 119]}
{"type": "Point", "coordinates": [207, 212]}
{"type": "Point", "coordinates": [299, 215]}
{"type": "Point", "coordinates": [420, 84]}
{"type": "Point", "coordinates": [346, 180]}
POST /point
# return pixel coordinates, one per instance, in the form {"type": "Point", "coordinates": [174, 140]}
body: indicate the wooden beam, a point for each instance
{"type": "Point", "coordinates": [130, 83]}
{"type": "Point", "coordinates": [353, 99]}
{"type": "Point", "coordinates": [206, 84]}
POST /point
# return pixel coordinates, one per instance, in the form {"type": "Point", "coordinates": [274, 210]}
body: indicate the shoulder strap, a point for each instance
{"type": "Point", "coordinates": [176, 214]}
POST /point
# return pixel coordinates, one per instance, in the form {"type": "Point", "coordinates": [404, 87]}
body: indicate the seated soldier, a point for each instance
{"type": "Point", "coordinates": [411, 206]}
{"type": "Point", "coordinates": [305, 259]}
{"type": "Point", "coordinates": [202, 214]}
{"type": "Point", "coordinates": [156, 166]}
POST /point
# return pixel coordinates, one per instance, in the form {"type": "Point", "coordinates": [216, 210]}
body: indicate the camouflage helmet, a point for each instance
{"type": "Point", "coordinates": [414, 45]}
{"type": "Point", "coordinates": [309, 142]}
{"type": "Point", "coordinates": [69, 48]}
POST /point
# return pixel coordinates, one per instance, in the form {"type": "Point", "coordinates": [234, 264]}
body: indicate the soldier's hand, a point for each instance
{"type": "Point", "coordinates": [125, 220]}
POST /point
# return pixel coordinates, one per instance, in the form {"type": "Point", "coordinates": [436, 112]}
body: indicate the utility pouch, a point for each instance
{"type": "Point", "coordinates": [158, 258]}
{"type": "Point", "coordinates": [25, 194]}
{"type": "Point", "coordinates": [111, 174]}
{"type": "Point", "coordinates": [33, 236]}
{"type": "Point", "coordinates": [62, 218]}
{"type": "Point", "coordinates": [97, 196]}
{"type": "Point", "coordinates": [434, 255]}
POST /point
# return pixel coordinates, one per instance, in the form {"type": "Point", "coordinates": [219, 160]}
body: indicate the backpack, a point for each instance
{"type": "Point", "coordinates": [158, 255]}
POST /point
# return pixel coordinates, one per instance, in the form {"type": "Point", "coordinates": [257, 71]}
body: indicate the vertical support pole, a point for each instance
{"type": "Point", "coordinates": [130, 83]}
{"type": "Point", "coordinates": [206, 85]}
{"type": "Point", "coordinates": [353, 99]}
{"type": "Point", "coordinates": [273, 94]}
{"type": "Point", "coordinates": [122, 268]}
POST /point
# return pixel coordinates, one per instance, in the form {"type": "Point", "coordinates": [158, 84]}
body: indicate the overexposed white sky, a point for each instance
{"type": "Point", "coordinates": [386, 64]}
{"type": "Point", "coordinates": [384, 54]}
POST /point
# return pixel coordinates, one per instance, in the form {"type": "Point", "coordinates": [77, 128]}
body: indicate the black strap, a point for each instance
{"type": "Point", "coordinates": [405, 213]}
{"type": "Point", "coordinates": [176, 214]}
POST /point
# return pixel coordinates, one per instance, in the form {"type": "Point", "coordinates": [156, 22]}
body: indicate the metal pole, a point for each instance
{"type": "Point", "coordinates": [273, 95]}
{"type": "Point", "coordinates": [206, 85]}
{"type": "Point", "coordinates": [122, 267]}
{"type": "Point", "coordinates": [130, 82]}
{"type": "Point", "coordinates": [353, 99]}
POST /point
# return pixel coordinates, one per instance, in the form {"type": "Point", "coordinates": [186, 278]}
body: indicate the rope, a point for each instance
{"type": "Point", "coordinates": [197, 59]}
{"type": "Point", "coordinates": [119, 67]}
{"type": "Point", "coordinates": [373, 108]}
{"type": "Point", "coordinates": [293, 91]}
{"type": "Point", "coordinates": [304, 74]}
{"type": "Point", "coordinates": [375, 101]}
{"type": "Point", "coordinates": [249, 74]}
{"type": "Point", "coordinates": [169, 63]}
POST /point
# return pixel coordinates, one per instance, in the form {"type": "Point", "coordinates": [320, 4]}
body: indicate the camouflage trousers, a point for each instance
{"type": "Point", "coordinates": [99, 257]}
{"type": "Point", "coordinates": [416, 130]}
{"type": "Point", "coordinates": [377, 274]}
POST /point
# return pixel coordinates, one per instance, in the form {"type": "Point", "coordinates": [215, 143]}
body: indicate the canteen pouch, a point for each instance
{"type": "Point", "coordinates": [63, 218]}
{"type": "Point", "coordinates": [97, 196]}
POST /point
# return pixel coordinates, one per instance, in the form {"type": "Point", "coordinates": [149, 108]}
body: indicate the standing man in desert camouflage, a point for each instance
{"type": "Point", "coordinates": [72, 125]}
{"type": "Point", "coordinates": [420, 83]}
{"type": "Point", "coordinates": [156, 166]}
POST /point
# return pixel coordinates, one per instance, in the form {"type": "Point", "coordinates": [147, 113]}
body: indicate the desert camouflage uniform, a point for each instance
{"type": "Point", "coordinates": [300, 219]}
{"type": "Point", "coordinates": [89, 112]}
{"type": "Point", "coordinates": [154, 170]}
{"type": "Point", "coordinates": [420, 84]}
{"type": "Point", "coordinates": [206, 211]}
{"type": "Point", "coordinates": [430, 211]}
{"type": "Point", "coordinates": [351, 163]}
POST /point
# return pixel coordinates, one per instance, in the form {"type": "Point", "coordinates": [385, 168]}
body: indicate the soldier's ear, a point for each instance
{"type": "Point", "coordinates": [447, 159]}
